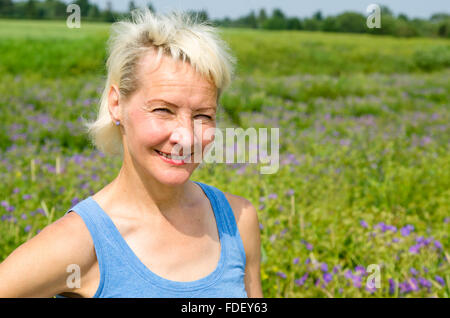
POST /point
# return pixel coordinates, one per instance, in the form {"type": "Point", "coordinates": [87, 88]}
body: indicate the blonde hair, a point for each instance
{"type": "Point", "coordinates": [177, 35]}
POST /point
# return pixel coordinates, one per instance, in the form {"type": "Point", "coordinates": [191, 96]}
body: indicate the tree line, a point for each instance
{"type": "Point", "coordinates": [354, 22]}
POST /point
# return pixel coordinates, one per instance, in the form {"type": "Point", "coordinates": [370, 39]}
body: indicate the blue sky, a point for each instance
{"type": "Point", "coordinates": [299, 8]}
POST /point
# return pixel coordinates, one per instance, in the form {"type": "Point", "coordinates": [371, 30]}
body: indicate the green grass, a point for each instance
{"type": "Point", "coordinates": [363, 136]}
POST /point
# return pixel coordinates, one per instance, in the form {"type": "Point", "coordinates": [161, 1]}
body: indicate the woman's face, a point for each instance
{"type": "Point", "coordinates": [159, 117]}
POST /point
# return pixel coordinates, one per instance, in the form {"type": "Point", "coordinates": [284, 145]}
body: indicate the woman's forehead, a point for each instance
{"type": "Point", "coordinates": [166, 71]}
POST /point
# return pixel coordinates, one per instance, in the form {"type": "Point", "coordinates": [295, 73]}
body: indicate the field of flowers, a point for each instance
{"type": "Point", "coordinates": [364, 175]}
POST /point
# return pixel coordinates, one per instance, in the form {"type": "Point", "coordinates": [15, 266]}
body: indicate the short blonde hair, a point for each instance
{"type": "Point", "coordinates": [177, 35]}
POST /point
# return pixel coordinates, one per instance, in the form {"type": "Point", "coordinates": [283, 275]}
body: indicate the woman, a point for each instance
{"type": "Point", "coordinates": [151, 232]}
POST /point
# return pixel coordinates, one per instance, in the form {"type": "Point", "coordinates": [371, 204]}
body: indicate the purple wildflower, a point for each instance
{"type": "Point", "coordinates": [296, 260]}
{"type": "Point", "coordinates": [363, 224]}
{"type": "Point", "coordinates": [414, 249]}
{"type": "Point", "coordinates": [382, 226]}
{"type": "Point", "coordinates": [4, 204]}
{"type": "Point", "coordinates": [273, 196]}
{"type": "Point", "coordinates": [424, 282]}
{"type": "Point", "coordinates": [357, 281]}
{"type": "Point", "coordinates": [75, 201]}
{"type": "Point", "coordinates": [272, 237]}
{"type": "Point", "coordinates": [414, 285]}
{"type": "Point", "coordinates": [406, 230]}
{"type": "Point", "coordinates": [404, 287]}
{"type": "Point", "coordinates": [440, 280]}
{"type": "Point", "coordinates": [28, 228]}
{"type": "Point", "coordinates": [447, 220]}
{"type": "Point", "coordinates": [261, 207]}
{"type": "Point", "coordinates": [317, 282]}
{"type": "Point", "coordinates": [302, 280]}
{"type": "Point", "coordinates": [360, 269]}
{"type": "Point", "coordinates": [425, 140]}
{"type": "Point", "coordinates": [413, 271]}
{"type": "Point", "coordinates": [348, 274]}
{"type": "Point", "coordinates": [336, 269]}
{"type": "Point", "coordinates": [307, 261]}
{"type": "Point", "coordinates": [261, 226]}
{"type": "Point", "coordinates": [23, 216]}
{"type": "Point", "coordinates": [327, 277]}
{"type": "Point", "coordinates": [395, 239]}
{"type": "Point", "coordinates": [281, 274]}
{"type": "Point", "coordinates": [438, 245]}
{"type": "Point", "coordinates": [345, 142]}
{"type": "Point", "coordinates": [16, 190]}
{"type": "Point", "coordinates": [391, 228]}
{"type": "Point", "coordinates": [290, 192]}
{"type": "Point", "coordinates": [10, 208]}
{"type": "Point", "coordinates": [26, 196]}
{"type": "Point", "coordinates": [324, 267]}
{"type": "Point", "coordinates": [371, 289]}
{"type": "Point", "coordinates": [392, 286]}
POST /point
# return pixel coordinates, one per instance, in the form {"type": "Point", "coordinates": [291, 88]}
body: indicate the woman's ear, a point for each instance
{"type": "Point", "coordinates": [113, 103]}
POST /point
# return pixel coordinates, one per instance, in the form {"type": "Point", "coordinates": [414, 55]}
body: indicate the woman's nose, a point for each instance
{"type": "Point", "coordinates": [184, 136]}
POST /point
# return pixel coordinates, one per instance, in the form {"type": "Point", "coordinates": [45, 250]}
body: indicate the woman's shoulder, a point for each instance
{"type": "Point", "coordinates": [52, 252]}
{"type": "Point", "coordinates": [247, 222]}
{"type": "Point", "coordinates": [74, 237]}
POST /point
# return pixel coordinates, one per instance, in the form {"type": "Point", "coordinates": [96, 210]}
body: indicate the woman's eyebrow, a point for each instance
{"type": "Point", "coordinates": [149, 102]}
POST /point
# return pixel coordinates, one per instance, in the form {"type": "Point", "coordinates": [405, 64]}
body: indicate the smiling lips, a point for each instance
{"type": "Point", "coordinates": [175, 160]}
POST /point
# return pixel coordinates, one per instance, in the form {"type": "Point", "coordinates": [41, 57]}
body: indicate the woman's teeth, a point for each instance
{"type": "Point", "coordinates": [172, 157]}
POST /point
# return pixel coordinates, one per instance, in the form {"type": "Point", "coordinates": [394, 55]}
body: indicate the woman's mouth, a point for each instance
{"type": "Point", "coordinates": [175, 160]}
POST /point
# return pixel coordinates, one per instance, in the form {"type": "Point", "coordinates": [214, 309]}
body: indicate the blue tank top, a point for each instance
{"type": "Point", "coordinates": [122, 274]}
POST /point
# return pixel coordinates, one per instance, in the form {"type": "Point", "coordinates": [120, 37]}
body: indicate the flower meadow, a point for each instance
{"type": "Point", "coordinates": [364, 166]}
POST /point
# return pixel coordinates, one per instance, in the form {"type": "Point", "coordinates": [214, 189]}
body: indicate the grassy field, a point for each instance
{"type": "Point", "coordinates": [364, 173]}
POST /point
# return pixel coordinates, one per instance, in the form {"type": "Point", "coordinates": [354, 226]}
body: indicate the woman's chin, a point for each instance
{"type": "Point", "coordinates": [173, 178]}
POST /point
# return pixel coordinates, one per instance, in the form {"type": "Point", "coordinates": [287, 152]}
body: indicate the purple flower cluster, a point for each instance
{"type": "Point", "coordinates": [364, 224]}
{"type": "Point", "coordinates": [301, 281]}
{"type": "Point", "coordinates": [406, 230]}
{"type": "Point", "coordinates": [384, 227]}
{"type": "Point", "coordinates": [281, 274]}
{"type": "Point", "coordinates": [421, 242]}
{"type": "Point", "coordinates": [308, 246]}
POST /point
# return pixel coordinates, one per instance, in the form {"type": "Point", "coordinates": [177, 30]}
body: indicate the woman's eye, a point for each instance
{"type": "Point", "coordinates": [163, 110]}
{"type": "Point", "coordinates": [205, 116]}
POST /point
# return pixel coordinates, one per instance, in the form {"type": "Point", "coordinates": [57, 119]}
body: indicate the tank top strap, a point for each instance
{"type": "Point", "coordinates": [229, 226]}
{"type": "Point", "coordinates": [97, 221]}
{"type": "Point", "coordinates": [102, 232]}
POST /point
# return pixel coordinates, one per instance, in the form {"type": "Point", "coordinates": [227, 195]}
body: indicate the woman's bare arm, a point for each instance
{"type": "Point", "coordinates": [247, 221]}
{"type": "Point", "coordinates": [38, 267]}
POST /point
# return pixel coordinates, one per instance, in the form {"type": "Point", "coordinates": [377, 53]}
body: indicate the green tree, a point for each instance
{"type": "Point", "coordinates": [311, 24]}
{"type": "Point", "coordinates": [131, 6]}
{"type": "Point", "coordinates": [352, 22]}
{"type": "Point", "coordinates": [330, 24]}
{"type": "Point", "coordinates": [94, 12]}
{"type": "Point", "coordinates": [30, 9]}
{"type": "Point", "coordinates": [151, 7]}
{"type": "Point", "coordinates": [318, 16]}
{"type": "Point", "coordinates": [294, 24]}
{"type": "Point", "coordinates": [277, 13]}
{"type": "Point", "coordinates": [108, 14]}
{"type": "Point", "coordinates": [403, 17]}
{"type": "Point", "coordinates": [262, 17]}
{"type": "Point", "coordinates": [84, 7]}
{"type": "Point", "coordinates": [6, 8]}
